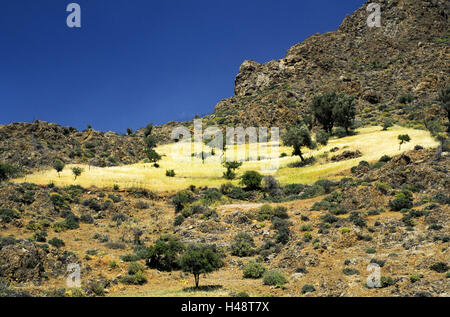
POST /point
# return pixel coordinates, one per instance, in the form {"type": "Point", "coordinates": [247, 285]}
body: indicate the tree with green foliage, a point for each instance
{"type": "Point", "coordinates": [404, 138]}
{"type": "Point", "coordinates": [200, 259]}
{"type": "Point", "coordinates": [252, 180]}
{"type": "Point", "coordinates": [164, 254]}
{"type": "Point", "coordinates": [77, 171]}
{"type": "Point", "coordinates": [152, 155]}
{"type": "Point", "coordinates": [58, 165]}
{"type": "Point", "coordinates": [231, 168]}
{"type": "Point", "coordinates": [322, 109]}
{"type": "Point", "coordinates": [150, 144]}
{"type": "Point", "coordinates": [344, 111]}
{"type": "Point", "coordinates": [387, 123]}
{"type": "Point", "coordinates": [331, 108]}
{"type": "Point", "coordinates": [298, 136]}
{"type": "Point", "coordinates": [129, 131]}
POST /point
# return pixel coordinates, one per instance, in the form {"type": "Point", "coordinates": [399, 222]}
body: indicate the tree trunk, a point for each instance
{"type": "Point", "coordinates": [301, 156]}
{"type": "Point", "coordinates": [197, 279]}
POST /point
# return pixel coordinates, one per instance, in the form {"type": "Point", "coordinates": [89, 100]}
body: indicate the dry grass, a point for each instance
{"type": "Point", "coordinates": [372, 142]}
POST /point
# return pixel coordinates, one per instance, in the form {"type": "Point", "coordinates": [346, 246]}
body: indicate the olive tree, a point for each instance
{"type": "Point", "coordinates": [200, 259]}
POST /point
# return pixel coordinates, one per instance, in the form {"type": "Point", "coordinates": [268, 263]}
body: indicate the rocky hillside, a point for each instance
{"type": "Point", "coordinates": [38, 144]}
{"type": "Point", "coordinates": [322, 238]}
{"type": "Point", "coordinates": [408, 55]}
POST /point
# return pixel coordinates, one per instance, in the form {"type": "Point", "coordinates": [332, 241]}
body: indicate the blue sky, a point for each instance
{"type": "Point", "coordinates": [140, 61]}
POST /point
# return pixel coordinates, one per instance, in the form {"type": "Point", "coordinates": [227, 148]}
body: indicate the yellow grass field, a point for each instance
{"type": "Point", "coordinates": [371, 141]}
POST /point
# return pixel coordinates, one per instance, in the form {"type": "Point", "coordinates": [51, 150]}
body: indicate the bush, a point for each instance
{"type": "Point", "coordinates": [322, 137]}
{"type": "Point", "coordinates": [387, 281]}
{"type": "Point", "coordinates": [7, 215]}
{"type": "Point", "coordinates": [254, 270]}
{"type": "Point", "coordinates": [280, 212]}
{"type": "Point", "coordinates": [274, 278]}
{"type": "Point", "coordinates": [57, 243]}
{"type": "Point", "coordinates": [7, 171]}
{"type": "Point", "coordinates": [170, 173]}
{"type": "Point", "coordinates": [85, 218]}
{"type": "Point", "coordinates": [182, 199]}
{"type": "Point", "coordinates": [307, 288]}
{"type": "Point", "coordinates": [440, 267]}
{"type": "Point", "coordinates": [265, 212]}
{"type": "Point", "coordinates": [406, 98]}
{"type": "Point", "coordinates": [252, 180]}
{"type": "Point", "coordinates": [243, 245]}
{"type": "Point", "coordinates": [402, 200]}
{"type": "Point", "coordinates": [350, 271]}
{"type": "Point", "coordinates": [136, 279]}
{"type": "Point", "coordinates": [178, 220]}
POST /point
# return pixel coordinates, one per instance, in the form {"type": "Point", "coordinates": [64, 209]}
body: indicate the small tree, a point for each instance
{"type": "Point", "coordinates": [344, 111]}
{"type": "Point", "coordinates": [58, 165]}
{"type": "Point", "coordinates": [164, 254]}
{"type": "Point", "coordinates": [404, 138]}
{"type": "Point", "coordinates": [129, 131]}
{"type": "Point", "coordinates": [200, 259]}
{"type": "Point", "coordinates": [231, 168]}
{"type": "Point", "coordinates": [298, 136]}
{"type": "Point", "coordinates": [252, 180]}
{"type": "Point", "coordinates": [77, 172]}
{"type": "Point", "coordinates": [387, 123]}
{"type": "Point", "coordinates": [322, 108]}
{"type": "Point", "coordinates": [152, 155]}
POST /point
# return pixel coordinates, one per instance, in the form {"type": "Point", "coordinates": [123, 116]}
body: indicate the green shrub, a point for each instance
{"type": "Point", "coordinates": [178, 220]}
{"type": "Point", "coordinates": [387, 281]}
{"type": "Point", "coordinates": [243, 245]}
{"type": "Point", "coordinates": [254, 270]}
{"type": "Point", "coordinates": [7, 215]}
{"type": "Point", "coordinates": [371, 251]}
{"type": "Point", "coordinates": [57, 243]}
{"type": "Point", "coordinates": [7, 171]}
{"type": "Point", "coordinates": [274, 278]}
{"type": "Point", "coordinates": [350, 271]}
{"type": "Point", "coordinates": [182, 199]}
{"type": "Point", "coordinates": [136, 279]}
{"type": "Point", "coordinates": [170, 173]}
{"type": "Point", "coordinates": [251, 180]}
{"type": "Point", "coordinates": [135, 267]}
{"type": "Point", "coordinates": [415, 277]}
{"type": "Point", "coordinates": [265, 212]}
{"type": "Point", "coordinates": [440, 267]}
{"type": "Point", "coordinates": [307, 288]}
{"type": "Point", "coordinates": [405, 98]}
{"type": "Point", "coordinates": [280, 212]}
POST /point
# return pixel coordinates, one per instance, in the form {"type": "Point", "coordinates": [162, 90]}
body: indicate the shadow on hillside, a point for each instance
{"type": "Point", "coordinates": [203, 288]}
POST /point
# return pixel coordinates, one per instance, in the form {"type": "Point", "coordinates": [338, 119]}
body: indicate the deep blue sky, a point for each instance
{"type": "Point", "coordinates": [140, 61]}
